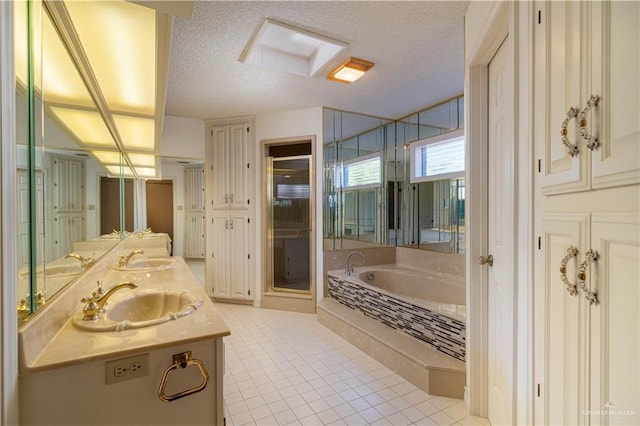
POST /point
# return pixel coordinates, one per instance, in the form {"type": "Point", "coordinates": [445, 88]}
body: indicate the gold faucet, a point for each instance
{"type": "Point", "coordinates": [144, 232]}
{"type": "Point", "coordinates": [124, 257]}
{"type": "Point", "coordinates": [84, 261]}
{"type": "Point", "coordinates": [95, 303]}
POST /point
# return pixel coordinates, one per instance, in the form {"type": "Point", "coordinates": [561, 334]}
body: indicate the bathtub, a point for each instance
{"type": "Point", "coordinates": [426, 305]}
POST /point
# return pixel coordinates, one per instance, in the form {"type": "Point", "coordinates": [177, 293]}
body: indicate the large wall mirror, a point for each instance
{"type": "Point", "coordinates": [82, 136]}
{"type": "Point", "coordinates": [395, 182]}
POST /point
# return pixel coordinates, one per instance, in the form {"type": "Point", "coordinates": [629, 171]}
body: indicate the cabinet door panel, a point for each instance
{"type": "Point", "coordinates": [238, 166]}
{"type": "Point", "coordinates": [616, 79]}
{"type": "Point", "coordinates": [194, 235]}
{"type": "Point", "coordinates": [615, 346]}
{"type": "Point", "coordinates": [239, 256]}
{"type": "Point", "coordinates": [558, 48]}
{"type": "Point", "coordinates": [219, 273]}
{"type": "Point", "coordinates": [219, 164]}
{"type": "Point", "coordinates": [560, 317]}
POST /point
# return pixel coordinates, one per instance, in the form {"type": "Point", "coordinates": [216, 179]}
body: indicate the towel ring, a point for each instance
{"type": "Point", "coordinates": [573, 148]}
{"type": "Point", "coordinates": [571, 288]}
{"type": "Point", "coordinates": [182, 360]}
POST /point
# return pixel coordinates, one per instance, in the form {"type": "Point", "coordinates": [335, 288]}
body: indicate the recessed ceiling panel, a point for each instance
{"type": "Point", "coordinates": [282, 47]}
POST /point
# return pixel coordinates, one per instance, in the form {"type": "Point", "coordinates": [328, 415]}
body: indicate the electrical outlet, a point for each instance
{"type": "Point", "coordinates": [119, 370]}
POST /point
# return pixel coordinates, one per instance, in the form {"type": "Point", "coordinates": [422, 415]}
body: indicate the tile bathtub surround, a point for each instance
{"type": "Point", "coordinates": [445, 334]}
{"type": "Point", "coordinates": [445, 263]}
{"type": "Point", "coordinates": [286, 368]}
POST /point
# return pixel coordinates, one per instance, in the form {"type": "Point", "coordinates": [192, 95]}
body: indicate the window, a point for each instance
{"type": "Point", "coordinates": [361, 172]}
{"type": "Point", "coordinates": [440, 157]}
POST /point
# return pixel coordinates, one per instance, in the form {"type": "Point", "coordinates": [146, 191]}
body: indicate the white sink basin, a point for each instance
{"type": "Point", "coordinates": [62, 270]}
{"type": "Point", "coordinates": [148, 264]}
{"type": "Point", "coordinates": [142, 309]}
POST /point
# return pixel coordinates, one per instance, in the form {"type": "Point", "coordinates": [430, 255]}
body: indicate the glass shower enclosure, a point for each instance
{"type": "Point", "coordinates": [290, 223]}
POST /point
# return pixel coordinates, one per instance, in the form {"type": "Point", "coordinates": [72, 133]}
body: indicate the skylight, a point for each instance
{"type": "Point", "coordinates": [282, 47]}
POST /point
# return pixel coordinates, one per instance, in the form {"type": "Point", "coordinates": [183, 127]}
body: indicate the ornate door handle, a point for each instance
{"type": "Point", "coordinates": [573, 148]}
{"type": "Point", "coordinates": [592, 141]}
{"type": "Point", "coordinates": [590, 257]}
{"type": "Point", "coordinates": [486, 260]}
{"type": "Point", "coordinates": [571, 253]}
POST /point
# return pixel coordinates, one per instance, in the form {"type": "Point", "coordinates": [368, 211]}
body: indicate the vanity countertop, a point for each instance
{"type": "Point", "coordinates": [70, 345]}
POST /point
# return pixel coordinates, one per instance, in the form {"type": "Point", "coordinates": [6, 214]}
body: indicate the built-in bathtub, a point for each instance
{"type": "Point", "coordinates": [426, 305]}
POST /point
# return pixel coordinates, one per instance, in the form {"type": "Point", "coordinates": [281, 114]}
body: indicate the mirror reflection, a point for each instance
{"type": "Point", "coordinates": [395, 182]}
{"type": "Point", "coordinates": [84, 122]}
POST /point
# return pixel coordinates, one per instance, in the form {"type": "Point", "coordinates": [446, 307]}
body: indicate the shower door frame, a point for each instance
{"type": "Point", "coordinates": [271, 281]}
{"type": "Point", "coordinates": [284, 300]}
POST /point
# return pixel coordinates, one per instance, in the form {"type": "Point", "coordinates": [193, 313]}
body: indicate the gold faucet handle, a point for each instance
{"type": "Point", "coordinates": [97, 294]}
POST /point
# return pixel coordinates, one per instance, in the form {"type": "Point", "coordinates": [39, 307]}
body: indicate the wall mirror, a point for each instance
{"type": "Point", "coordinates": [395, 182]}
{"type": "Point", "coordinates": [82, 135]}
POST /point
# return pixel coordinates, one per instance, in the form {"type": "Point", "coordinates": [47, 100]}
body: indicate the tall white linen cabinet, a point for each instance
{"type": "Point", "coordinates": [229, 211]}
{"type": "Point", "coordinates": [586, 128]}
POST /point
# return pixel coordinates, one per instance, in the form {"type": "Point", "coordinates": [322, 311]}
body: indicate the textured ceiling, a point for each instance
{"type": "Point", "coordinates": [417, 48]}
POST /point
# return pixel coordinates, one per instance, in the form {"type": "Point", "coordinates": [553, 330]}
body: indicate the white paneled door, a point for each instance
{"type": "Point", "coordinates": [500, 235]}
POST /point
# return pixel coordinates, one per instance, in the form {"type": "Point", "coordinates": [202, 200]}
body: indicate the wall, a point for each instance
{"type": "Point", "coordinates": [175, 172]}
{"type": "Point", "coordinates": [8, 319]}
{"type": "Point", "coordinates": [486, 24]}
{"type": "Point", "coordinates": [280, 125]}
{"type": "Point", "coordinates": [182, 137]}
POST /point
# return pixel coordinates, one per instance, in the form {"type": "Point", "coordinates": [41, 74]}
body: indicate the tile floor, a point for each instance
{"type": "Point", "coordinates": [286, 368]}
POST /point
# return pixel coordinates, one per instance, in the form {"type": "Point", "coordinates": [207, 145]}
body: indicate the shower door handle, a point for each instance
{"type": "Point", "coordinates": [486, 260]}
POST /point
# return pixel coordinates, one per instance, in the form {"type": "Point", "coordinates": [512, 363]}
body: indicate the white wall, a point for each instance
{"type": "Point", "coordinates": [481, 39]}
{"type": "Point", "coordinates": [182, 137]}
{"type": "Point", "coordinates": [280, 125]}
{"type": "Point", "coordinates": [175, 172]}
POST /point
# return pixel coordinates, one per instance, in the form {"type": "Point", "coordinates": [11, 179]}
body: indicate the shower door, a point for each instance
{"type": "Point", "coordinates": [289, 211]}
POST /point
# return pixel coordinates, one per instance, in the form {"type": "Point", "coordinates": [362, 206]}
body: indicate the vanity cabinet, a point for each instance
{"type": "Point", "coordinates": [229, 165]}
{"type": "Point", "coordinates": [229, 260]}
{"type": "Point", "coordinates": [89, 393]}
{"type": "Point", "coordinates": [587, 215]}
{"type": "Point", "coordinates": [194, 202]}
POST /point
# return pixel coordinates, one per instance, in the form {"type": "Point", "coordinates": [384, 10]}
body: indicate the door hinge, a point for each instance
{"type": "Point", "coordinates": [249, 292]}
{"type": "Point", "coordinates": [539, 16]}
{"type": "Point", "coordinates": [247, 165]}
{"type": "Point", "coordinates": [247, 129]}
{"type": "Point", "coordinates": [212, 256]}
{"type": "Point", "coordinates": [249, 256]}
{"type": "Point", "coordinates": [539, 165]}
{"type": "Point", "coordinates": [248, 220]}
{"type": "Point", "coordinates": [539, 243]}
{"type": "Point", "coordinates": [538, 389]}
{"type": "Point", "coordinates": [248, 201]}
{"type": "Point", "coordinates": [211, 132]}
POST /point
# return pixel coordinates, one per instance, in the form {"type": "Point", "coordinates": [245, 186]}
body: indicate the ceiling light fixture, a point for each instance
{"type": "Point", "coordinates": [283, 47]}
{"type": "Point", "coordinates": [350, 70]}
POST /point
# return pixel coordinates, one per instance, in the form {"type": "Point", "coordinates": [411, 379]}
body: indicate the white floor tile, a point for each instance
{"type": "Point", "coordinates": [457, 411]}
{"type": "Point", "coordinates": [286, 368]}
{"type": "Point", "coordinates": [441, 418]}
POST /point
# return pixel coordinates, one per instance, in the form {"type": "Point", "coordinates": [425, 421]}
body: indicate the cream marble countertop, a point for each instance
{"type": "Point", "coordinates": [70, 345]}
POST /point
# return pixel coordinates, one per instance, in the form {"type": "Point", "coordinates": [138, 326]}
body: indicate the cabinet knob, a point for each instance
{"type": "Point", "coordinates": [486, 260]}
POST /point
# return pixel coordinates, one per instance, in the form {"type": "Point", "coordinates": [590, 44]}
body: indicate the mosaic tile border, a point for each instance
{"type": "Point", "coordinates": [445, 334]}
